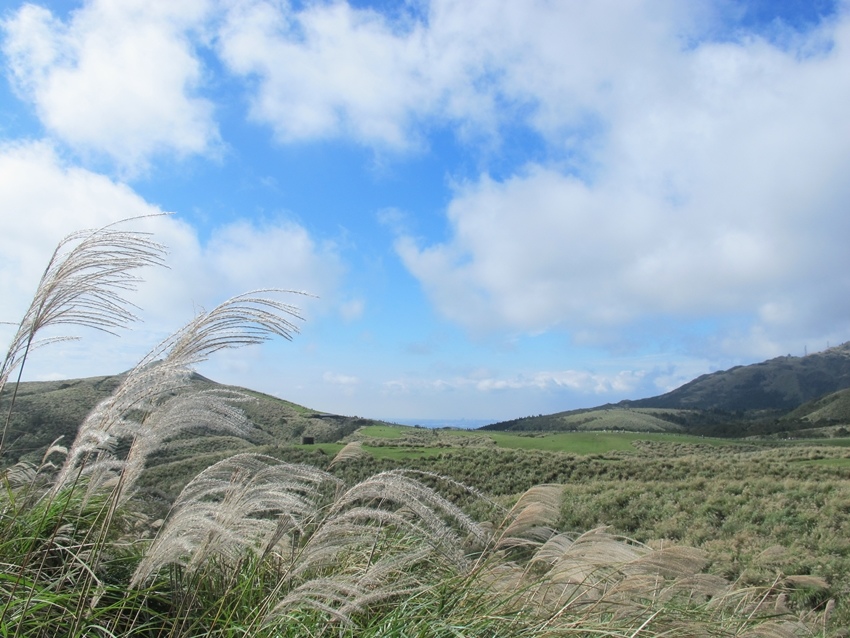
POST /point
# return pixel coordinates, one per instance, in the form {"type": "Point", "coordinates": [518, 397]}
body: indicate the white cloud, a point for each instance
{"type": "Point", "coordinates": [271, 255]}
{"type": "Point", "coordinates": [340, 379]}
{"type": "Point", "coordinates": [46, 200]}
{"type": "Point", "coordinates": [347, 384]}
{"type": "Point", "coordinates": [327, 70]}
{"type": "Point", "coordinates": [578, 381]}
{"type": "Point", "coordinates": [687, 175]}
{"type": "Point", "coordinates": [718, 187]}
{"type": "Point", "coordinates": [352, 309]}
{"type": "Point", "coordinates": [43, 200]}
{"type": "Point", "coordinates": [118, 78]}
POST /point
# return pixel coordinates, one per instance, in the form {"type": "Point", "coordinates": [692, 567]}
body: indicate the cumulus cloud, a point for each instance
{"type": "Point", "coordinates": [340, 379]}
{"type": "Point", "coordinates": [485, 382]}
{"type": "Point", "coordinates": [717, 188]}
{"type": "Point", "coordinates": [272, 255]}
{"type": "Point", "coordinates": [43, 200]}
{"type": "Point", "coordinates": [118, 78]}
{"type": "Point", "coordinates": [46, 199]}
{"type": "Point", "coordinates": [688, 174]}
{"type": "Point", "coordinates": [327, 70]}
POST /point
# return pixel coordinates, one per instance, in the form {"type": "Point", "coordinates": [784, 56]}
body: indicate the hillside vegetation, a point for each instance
{"type": "Point", "coordinates": [782, 397]}
{"type": "Point", "coordinates": [50, 410]}
{"type": "Point", "coordinates": [780, 384]}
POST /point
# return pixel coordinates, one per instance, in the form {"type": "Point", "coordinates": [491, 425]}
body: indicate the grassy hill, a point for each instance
{"type": "Point", "coordinates": [783, 498]}
{"type": "Point", "coordinates": [781, 384]}
{"type": "Point", "coordinates": [607, 417]}
{"type": "Point", "coordinates": [46, 411]}
{"type": "Point", "coordinates": [833, 408]}
{"type": "Point", "coordinates": [785, 396]}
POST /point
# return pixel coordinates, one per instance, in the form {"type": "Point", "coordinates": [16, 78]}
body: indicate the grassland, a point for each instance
{"type": "Point", "coordinates": [764, 510]}
{"type": "Point", "coordinates": [593, 442]}
{"type": "Point", "coordinates": [773, 515]}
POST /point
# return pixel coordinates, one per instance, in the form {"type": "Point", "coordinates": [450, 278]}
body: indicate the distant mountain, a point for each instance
{"type": "Point", "coordinates": [780, 384]}
{"type": "Point", "coordinates": [784, 395]}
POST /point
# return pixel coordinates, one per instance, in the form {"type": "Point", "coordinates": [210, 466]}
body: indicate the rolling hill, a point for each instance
{"type": "Point", "coordinates": [47, 410]}
{"type": "Point", "coordinates": [779, 384]}
{"type": "Point", "coordinates": [781, 396]}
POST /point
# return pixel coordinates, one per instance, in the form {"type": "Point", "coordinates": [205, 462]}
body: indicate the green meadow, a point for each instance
{"type": "Point", "coordinates": [431, 441]}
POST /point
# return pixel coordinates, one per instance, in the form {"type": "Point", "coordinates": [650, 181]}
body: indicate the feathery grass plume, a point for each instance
{"type": "Point", "coordinates": [383, 539]}
{"type": "Point", "coordinates": [778, 629]}
{"type": "Point", "coordinates": [244, 320]}
{"type": "Point", "coordinates": [598, 576]}
{"type": "Point", "coordinates": [379, 540]}
{"type": "Point", "coordinates": [246, 503]}
{"type": "Point", "coordinates": [352, 450]}
{"type": "Point", "coordinates": [25, 474]}
{"type": "Point", "coordinates": [83, 285]}
{"type": "Point", "coordinates": [584, 570]}
{"type": "Point", "coordinates": [532, 519]}
{"type": "Point", "coordinates": [393, 496]}
{"type": "Point", "coordinates": [207, 410]}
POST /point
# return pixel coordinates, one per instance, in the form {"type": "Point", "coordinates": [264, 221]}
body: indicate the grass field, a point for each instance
{"type": "Point", "coordinates": [432, 441]}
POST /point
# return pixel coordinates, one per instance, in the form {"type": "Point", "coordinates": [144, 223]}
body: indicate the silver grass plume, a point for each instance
{"type": "Point", "coordinates": [585, 568]}
{"type": "Point", "coordinates": [352, 450]}
{"type": "Point", "coordinates": [532, 519]}
{"type": "Point", "coordinates": [26, 473]}
{"type": "Point", "coordinates": [371, 542]}
{"type": "Point", "coordinates": [394, 498]}
{"type": "Point", "coordinates": [339, 551]}
{"type": "Point", "coordinates": [600, 573]}
{"type": "Point", "coordinates": [208, 410]}
{"type": "Point", "coordinates": [83, 285]}
{"type": "Point", "coordinates": [246, 319]}
{"type": "Point", "coordinates": [246, 503]}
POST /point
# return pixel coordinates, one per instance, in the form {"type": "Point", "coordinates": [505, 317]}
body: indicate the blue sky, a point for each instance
{"type": "Point", "coordinates": [503, 208]}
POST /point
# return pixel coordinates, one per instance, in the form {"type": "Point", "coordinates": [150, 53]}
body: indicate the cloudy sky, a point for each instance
{"type": "Point", "coordinates": [502, 207]}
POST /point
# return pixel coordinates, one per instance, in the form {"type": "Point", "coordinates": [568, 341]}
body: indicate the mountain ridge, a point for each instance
{"type": "Point", "coordinates": [781, 383]}
{"type": "Point", "coordinates": [783, 395]}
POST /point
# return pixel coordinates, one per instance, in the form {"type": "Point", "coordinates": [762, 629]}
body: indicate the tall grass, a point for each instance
{"type": "Point", "coordinates": [254, 546]}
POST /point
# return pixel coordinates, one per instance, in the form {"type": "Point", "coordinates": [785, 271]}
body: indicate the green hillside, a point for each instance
{"type": "Point", "coordinates": [46, 411]}
{"type": "Point", "coordinates": [785, 396]}
{"type": "Point", "coordinates": [604, 418]}
{"type": "Point", "coordinates": [832, 409]}
{"type": "Point", "coordinates": [781, 384]}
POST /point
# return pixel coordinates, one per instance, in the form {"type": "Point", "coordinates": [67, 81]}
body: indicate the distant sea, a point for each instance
{"type": "Point", "coordinates": [465, 424]}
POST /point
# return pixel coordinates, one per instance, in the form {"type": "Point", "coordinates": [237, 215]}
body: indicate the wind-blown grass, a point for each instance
{"type": "Point", "coordinates": [254, 546]}
{"type": "Point", "coordinates": [82, 285]}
